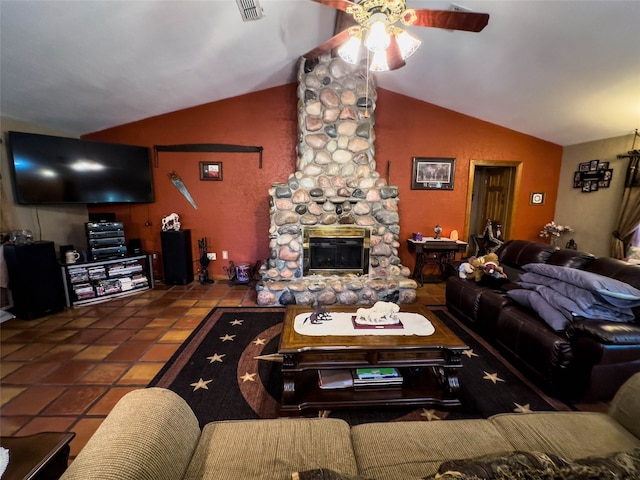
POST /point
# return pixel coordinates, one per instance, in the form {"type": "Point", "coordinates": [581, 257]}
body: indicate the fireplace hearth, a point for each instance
{"type": "Point", "coordinates": [334, 234]}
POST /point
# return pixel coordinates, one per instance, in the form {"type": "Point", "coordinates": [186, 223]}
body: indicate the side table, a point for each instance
{"type": "Point", "coordinates": [43, 456]}
{"type": "Point", "coordinates": [434, 251]}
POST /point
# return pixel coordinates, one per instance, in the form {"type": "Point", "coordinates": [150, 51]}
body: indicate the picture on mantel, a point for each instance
{"type": "Point", "coordinates": [592, 175]}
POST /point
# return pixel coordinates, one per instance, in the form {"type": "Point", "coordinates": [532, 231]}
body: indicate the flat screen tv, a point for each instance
{"type": "Point", "coordinates": [59, 170]}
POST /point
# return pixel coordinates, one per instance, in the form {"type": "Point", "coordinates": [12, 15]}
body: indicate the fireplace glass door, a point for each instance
{"type": "Point", "coordinates": [336, 253]}
{"type": "Point", "coordinates": [330, 251]}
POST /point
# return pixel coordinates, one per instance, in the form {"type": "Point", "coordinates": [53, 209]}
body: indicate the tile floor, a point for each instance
{"type": "Point", "coordinates": [65, 372]}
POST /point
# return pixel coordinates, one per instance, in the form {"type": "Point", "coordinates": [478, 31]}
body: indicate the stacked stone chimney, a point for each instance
{"type": "Point", "coordinates": [335, 185]}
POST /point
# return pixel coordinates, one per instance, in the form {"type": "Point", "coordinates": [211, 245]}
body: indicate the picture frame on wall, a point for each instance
{"type": "Point", "coordinates": [433, 173]}
{"type": "Point", "coordinates": [592, 176]}
{"type": "Point", "coordinates": [536, 198]}
{"type": "Point", "coordinates": [211, 171]}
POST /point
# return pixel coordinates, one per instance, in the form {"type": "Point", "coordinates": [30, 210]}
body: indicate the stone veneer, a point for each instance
{"type": "Point", "coordinates": [335, 184]}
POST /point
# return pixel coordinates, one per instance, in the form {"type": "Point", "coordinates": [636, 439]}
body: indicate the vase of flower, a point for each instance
{"type": "Point", "coordinates": [553, 232]}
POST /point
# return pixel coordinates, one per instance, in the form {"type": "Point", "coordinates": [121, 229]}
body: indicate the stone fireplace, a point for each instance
{"type": "Point", "coordinates": [334, 233]}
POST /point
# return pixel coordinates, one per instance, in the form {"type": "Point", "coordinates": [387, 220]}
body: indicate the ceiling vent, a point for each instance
{"type": "Point", "coordinates": [250, 9]}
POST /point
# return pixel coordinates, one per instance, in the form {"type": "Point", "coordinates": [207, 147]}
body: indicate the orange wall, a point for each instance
{"type": "Point", "coordinates": [406, 128]}
{"type": "Point", "coordinates": [233, 214]}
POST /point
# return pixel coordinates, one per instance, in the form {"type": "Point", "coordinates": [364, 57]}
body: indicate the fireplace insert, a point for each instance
{"type": "Point", "coordinates": [330, 250]}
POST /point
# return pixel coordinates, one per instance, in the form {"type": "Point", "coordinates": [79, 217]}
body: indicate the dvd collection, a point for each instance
{"type": "Point", "coordinates": [89, 282]}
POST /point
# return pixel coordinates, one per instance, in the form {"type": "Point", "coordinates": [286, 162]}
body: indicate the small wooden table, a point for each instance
{"type": "Point", "coordinates": [437, 252]}
{"type": "Point", "coordinates": [429, 365]}
{"type": "Point", "coordinates": [42, 456]}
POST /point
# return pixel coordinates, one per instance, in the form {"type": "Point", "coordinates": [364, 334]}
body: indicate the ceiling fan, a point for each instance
{"type": "Point", "coordinates": [376, 28]}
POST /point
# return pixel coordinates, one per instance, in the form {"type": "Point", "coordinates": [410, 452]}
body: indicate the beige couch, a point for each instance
{"type": "Point", "coordinates": [153, 434]}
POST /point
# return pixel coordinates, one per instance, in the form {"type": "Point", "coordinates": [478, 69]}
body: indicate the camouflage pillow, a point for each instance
{"type": "Point", "coordinates": [323, 474]}
{"type": "Point", "coordinates": [541, 466]}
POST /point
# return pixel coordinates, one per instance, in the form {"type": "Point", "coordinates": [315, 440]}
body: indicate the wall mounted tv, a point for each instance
{"type": "Point", "coordinates": [59, 170]}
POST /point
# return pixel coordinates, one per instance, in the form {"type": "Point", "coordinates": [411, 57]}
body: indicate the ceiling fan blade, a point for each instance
{"type": "Point", "coordinates": [330, 44]}
{"type": "Point", "coordinates": [337, 4]}
{"type": "Point", "coordinates": [394, 57]}
{"type": "Point", "coordinates": [451, 20]}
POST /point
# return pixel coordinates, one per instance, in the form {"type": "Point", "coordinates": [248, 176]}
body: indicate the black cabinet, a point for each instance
{"type": "Point", "coordinates": [177, 258]}
{"type": "Point", "coordinates": [34, 279]}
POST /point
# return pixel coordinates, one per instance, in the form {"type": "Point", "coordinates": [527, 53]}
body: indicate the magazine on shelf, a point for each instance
{"type": "Point", "coordinates": [331, 379]}
{"type": "Point", "coordinates": [376, 373]}
{"type": "Point", "coordinates": [376, 377]}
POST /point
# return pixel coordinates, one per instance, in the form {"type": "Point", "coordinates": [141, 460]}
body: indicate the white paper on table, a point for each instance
{"type": "Point", "coordinates": [341, 324]}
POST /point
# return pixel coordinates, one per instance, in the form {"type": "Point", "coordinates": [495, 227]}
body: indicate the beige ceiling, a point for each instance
{"type": "Point", "coordinates": [564, 71]}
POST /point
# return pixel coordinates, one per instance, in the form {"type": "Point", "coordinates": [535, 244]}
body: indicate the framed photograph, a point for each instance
{"type": "Point", "coordinates": [210, 170]}
{"type": "Point", "coordinates": [594, 164]}
{"type": "Point", "coordinates": [433, 173]}
{"type": "Point", "coordinates": [536, 198]}
{"type": "Point", "coordinates": [584, 166]}
{"type": "Point", "coordinates": [603, 165]}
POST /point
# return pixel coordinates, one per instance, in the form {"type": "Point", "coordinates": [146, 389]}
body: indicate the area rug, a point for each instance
{"type": "Point", "coordinates": [229, 369]}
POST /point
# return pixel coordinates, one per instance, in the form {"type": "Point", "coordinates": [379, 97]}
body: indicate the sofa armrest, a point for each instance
{"type": "Point", "coordinates": [625, 406]}
{"type": "Point", "coordinates": [607, 332]}
{"type": "Point", "coordinates": [150, 434]}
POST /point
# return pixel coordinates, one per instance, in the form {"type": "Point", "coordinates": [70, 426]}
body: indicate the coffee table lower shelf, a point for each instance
{"type": "Point", "coordinates": [422, 386]}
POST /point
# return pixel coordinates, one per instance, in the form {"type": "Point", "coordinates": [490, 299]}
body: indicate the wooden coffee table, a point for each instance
{"type": "Point", "coordinates": [429, 365]}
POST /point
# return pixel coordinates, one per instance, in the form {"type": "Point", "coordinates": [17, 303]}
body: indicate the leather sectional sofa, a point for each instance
{"type": "Point", "coordinates": [588, 360]}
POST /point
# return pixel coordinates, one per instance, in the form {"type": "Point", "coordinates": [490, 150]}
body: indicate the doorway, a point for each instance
{"type": "Point", "coordinates": [493, 188]}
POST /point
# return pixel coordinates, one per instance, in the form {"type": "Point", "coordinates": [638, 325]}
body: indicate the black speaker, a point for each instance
{"type": "Point", "coordinates": [102, 217]}
{"type": "Point", "coordinates": [177, 259]}
{"type": "Point", "coordinates": [35, 279]}
{"type": "Point", "coordinates": [135, 246]}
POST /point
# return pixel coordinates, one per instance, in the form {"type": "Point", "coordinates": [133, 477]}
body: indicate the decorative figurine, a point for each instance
{"type": "Point", "coordinates": [171, 222]}
{"type": "Point", "coordinates": [319, 315]}
{"type": "Point", "coordinates": [572, 245]}
{"type": "Point", "coordinates": [438, 231]}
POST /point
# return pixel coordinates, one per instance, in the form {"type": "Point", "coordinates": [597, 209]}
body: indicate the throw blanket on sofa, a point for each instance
{"type": "Point", "coordinates": [559, 294]}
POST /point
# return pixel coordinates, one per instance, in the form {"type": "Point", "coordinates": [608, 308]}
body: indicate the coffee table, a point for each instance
{"type": "Point", "coordinates": [429, 365]}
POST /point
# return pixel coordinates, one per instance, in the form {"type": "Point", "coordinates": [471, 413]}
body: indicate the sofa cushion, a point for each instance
{"type": "Point", "coordinates": [272, 449]}
{"type": "Point", "coordinates": [615, 268]}
{"type": "Point", "coordinates": [570, 435]}
{"type": "Point", "coordinates": [567, 257]}
{"type": "Point", "coordinates": [411, 450]}
{"type": "Point", "coordinates": [613, 291]}
{"type": "Point", "coordinates": [516, 253]}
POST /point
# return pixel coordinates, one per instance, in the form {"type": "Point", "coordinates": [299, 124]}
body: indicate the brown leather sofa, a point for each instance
{"type": "Point", "coordinates": [587, 361]}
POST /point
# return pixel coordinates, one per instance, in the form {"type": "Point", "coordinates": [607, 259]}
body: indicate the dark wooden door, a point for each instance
{"type": "Point", "coordinates": [494, 197]}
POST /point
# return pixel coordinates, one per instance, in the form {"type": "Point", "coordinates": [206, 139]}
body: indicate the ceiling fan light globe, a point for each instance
{"type": "Point", "coordinates": [377, 39]}
{"type": "Point", "coordinates": [407, 43]}
{"type": "Point", "coordinates": [379, 62]}
{"type": "Point", "coordinates": [350, 50]}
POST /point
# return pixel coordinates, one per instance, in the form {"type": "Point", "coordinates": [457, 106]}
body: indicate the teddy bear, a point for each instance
{"type": "Point", "coordinates": [486, 265]}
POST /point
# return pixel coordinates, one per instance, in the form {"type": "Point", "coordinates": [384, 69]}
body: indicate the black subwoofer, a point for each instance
{"type": "Point", "coordinates": [177, 259]}
{"type": "Point", "coordinates": [35, 279]}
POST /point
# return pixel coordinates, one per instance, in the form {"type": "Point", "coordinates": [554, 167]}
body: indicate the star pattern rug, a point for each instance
{"type": "Point", "coordinates": [229, 369]}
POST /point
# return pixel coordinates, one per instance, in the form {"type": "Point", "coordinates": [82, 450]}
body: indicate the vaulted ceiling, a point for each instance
{"type": "Point", "coordinates": [563, 71]}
